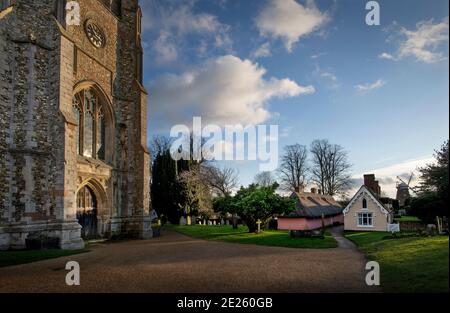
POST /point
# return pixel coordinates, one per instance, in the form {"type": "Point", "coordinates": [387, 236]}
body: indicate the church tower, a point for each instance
{"type": "Point", "coordinates": [73, 123]}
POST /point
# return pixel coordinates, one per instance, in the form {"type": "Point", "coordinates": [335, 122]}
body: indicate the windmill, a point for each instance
{"type": "Point", "coordinates": [403, 188]}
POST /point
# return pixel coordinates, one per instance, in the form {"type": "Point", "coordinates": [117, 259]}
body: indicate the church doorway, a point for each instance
{"type": "Point", "coordinates": [87, 213]}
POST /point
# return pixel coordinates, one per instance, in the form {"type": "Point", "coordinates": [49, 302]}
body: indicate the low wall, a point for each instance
{"type": "Point", "coordinates": [302, 223]}
{"type": "Point", "coordinates": [411, 226]}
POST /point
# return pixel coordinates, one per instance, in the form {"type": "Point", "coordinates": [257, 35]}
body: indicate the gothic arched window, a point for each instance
{"type": "Point", "coordinates": [77, 111]}
{"type": "Point", "coordinates": [364, 204]}
{"type": "Point", "coordinates": [90, 136]}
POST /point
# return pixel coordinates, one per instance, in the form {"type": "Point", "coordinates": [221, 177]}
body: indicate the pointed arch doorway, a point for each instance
{"type": "Point", "coordinates": [87, 209]}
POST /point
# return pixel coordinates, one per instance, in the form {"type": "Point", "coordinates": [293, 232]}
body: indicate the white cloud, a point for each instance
{"type": "Point", "coordinates": [317, 55]}
{"type": "Point", "coordinates": [289, 20]}
{"type": "Point", "coordinates": [174, 22]}
{"type": "Point", "coordinates": [327, 75]}
{"type": "Point", "coordinates": [423, 42]}
{"type": "Point", "coordinates": [387, 176]}
{"type": "Point", "coordinates": [179, 18]}
{"type": "Point", "coordinates": [224, 90]}
{"type": "Point", "coordinates": [165, 47]}
{"type": "Point", "coordinates": [262, 51]}
{"type": "Point", "coordinates": [386, 56]}
{"type": "Point", "coordinates": [370, 86]}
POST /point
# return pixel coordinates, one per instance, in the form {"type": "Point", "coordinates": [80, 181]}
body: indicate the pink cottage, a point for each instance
{"type": "Point", "coordinates": [310, 208]}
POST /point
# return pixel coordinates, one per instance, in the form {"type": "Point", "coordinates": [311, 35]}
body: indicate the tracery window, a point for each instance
{"type": "Point", "coordinates": [90, 135]}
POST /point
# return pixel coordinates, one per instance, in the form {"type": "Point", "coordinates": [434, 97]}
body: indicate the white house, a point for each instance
{"type": "Point", "coordinates": [365, 211]}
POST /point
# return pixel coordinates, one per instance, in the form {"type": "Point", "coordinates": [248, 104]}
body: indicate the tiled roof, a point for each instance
{"type": "Point", "coordinates": [315, 205]}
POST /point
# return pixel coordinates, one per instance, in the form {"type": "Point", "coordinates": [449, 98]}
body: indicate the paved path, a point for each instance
{"type": "Point", "coordinates": [176, 263]}
{"type": "Point", "coordinates": [344, 243]}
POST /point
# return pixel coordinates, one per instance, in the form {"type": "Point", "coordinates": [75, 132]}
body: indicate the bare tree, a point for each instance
{"type": "Point", "coordinates": [159, 145]}
{"type": "Point", "coordinates": [264, 179]}
{"type": "Point", "coordinates": [293, 168]}
{"type": "Point", "coordinates": [220, 180]}
{"type": "Point", "coordinates": [330, 167]}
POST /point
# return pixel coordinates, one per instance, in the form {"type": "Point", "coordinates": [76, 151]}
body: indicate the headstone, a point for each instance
{"type": "Point", "coordinates": [431, 230]}
{"type": "Point", "coordinates": [153, 215]}
{"type": "Point", "coordinates": [439, 224]}
{"type": "Point", "coordinates": [259, 226]}
{"type": "Point", "coordinates": [183, 221]}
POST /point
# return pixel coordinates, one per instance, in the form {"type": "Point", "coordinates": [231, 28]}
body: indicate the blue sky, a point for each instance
{"type": "Point", "coordinates": [312, 67]}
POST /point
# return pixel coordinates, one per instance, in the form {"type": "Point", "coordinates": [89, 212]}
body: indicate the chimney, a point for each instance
{"type": "Point", "coordinates": [369, 179]}
{"type": "Point", "coordinates": [372, 184]}
{"type": "Point", "coordinates": [299, 189]}
{"type": "Point", "coordinates": [377, 188]}
{"type": "Point", "coordinates": [313, 190]}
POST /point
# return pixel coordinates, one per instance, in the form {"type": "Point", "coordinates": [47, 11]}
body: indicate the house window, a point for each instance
{"type": "Point", "coordinates": [364, 203]}
{"type": "Point", "coordinates": [91, 130]}
{"type": "Point", "coordinates": [365, 219]}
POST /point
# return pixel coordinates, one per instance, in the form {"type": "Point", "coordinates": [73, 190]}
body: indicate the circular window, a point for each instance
{"type": "Point", "coordinates": [95, 34]}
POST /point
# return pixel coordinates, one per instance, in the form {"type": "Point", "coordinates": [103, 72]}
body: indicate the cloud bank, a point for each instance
{"type": "Point", "coordinates": [224, 90]}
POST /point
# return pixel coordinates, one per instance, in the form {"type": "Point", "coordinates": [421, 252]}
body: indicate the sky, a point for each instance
{"type": "Point", "coordinates": [314, 68]}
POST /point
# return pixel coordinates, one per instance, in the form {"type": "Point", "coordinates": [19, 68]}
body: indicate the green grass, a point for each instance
{"type": "Point", "coordinates": [241, 235]}
{"type": "Point", "coordinates": [10, 258]}
{"type": "Point", "coordinates": [407, 219]}
{"type": "Point", "coordinates": [414, 264]}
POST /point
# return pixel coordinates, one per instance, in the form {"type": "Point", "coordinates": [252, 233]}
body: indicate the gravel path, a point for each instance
{"type": "Point", "coordinates": [176, 263]}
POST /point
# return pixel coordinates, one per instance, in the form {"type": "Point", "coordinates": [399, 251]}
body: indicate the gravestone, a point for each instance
{"type": "Point", "coordinates": [431, 230]}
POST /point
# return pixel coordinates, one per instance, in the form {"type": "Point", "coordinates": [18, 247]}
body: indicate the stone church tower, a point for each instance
{"type": "Point", "coordinates": [73, 115]}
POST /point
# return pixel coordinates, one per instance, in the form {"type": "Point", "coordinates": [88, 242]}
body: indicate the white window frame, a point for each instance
{"type": "Point", "coordinates": [369, 216]}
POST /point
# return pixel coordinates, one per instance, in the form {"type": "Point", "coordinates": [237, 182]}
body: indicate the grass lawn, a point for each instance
{"type": "Point", "coordinates": [275, 238]}
{"type": "Point", "coordinates": [407, 219]}
{"type": "Point", "coordinates": [414, 264]}
{"type": "Point", "coordinates": [9, 258]}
